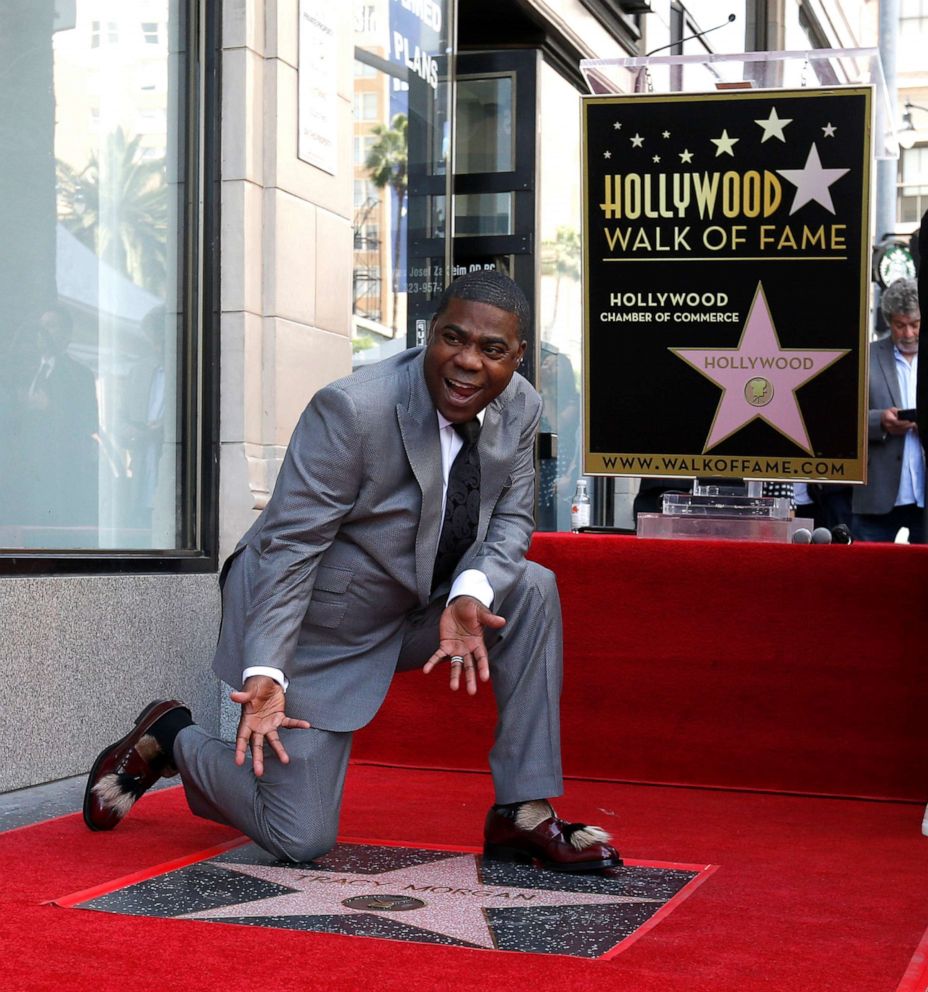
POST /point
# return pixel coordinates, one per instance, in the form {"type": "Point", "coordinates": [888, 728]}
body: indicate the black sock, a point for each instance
{"type": "Point", "coordinates": [509, 810]}
{"type": "Point", "coordinates": [166, 729]}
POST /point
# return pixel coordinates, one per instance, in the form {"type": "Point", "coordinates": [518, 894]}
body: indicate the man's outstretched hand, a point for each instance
{"type": "Point", "coordinates": [460, 632]}
{"type": "Point", "coordinates": [263, 703]}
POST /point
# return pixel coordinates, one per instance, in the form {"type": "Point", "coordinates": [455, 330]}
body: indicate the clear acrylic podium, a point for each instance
{"type": "Point", "coordinates": [813, 68]}
{"type": "Point", "coordinates": [719, 512]}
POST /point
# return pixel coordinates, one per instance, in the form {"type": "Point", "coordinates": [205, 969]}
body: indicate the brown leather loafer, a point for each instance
{"type": "Point", "coordinates": [547, 845]}
{"type": "Point", "coordinates": [125, 770]}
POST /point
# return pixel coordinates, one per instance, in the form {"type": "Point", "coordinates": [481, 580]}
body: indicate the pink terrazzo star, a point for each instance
{"type": "Point", "coordinates": [759, 378]}
{"type": "Point", "coordinates": [455, 898]}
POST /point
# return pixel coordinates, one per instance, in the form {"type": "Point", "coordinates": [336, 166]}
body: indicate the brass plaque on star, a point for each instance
{"type": "Point", "coordinates": [726, 284]}
{"type": "Point", "coordinates": [384, 904]}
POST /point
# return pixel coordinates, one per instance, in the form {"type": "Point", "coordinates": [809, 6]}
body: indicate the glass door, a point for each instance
{"type": "Point", "coordinates": [559, 319]}
{"type": "Point", "coordinates": [493, 184]}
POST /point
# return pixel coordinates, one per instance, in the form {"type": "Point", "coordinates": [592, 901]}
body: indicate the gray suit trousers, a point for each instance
{"type": "Point", "coordinates": [292, 810]}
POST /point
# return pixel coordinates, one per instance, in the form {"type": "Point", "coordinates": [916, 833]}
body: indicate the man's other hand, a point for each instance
{"type": "Point", "coordinates": [891, 423]}
{"type": "Point", "coordinates": [460, 632]}
{"type": "Point", "coordinates": [263, 713]}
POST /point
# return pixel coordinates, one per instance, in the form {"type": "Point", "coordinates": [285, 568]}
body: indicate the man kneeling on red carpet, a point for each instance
{"type": "Point", "coordinates": [395, 539]}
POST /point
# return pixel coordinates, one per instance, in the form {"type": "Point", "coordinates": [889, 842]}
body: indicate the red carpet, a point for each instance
{"type": "Point", "coordinates": [811, 895]}
{"type": "Point", "coordinates": [754, 666]}
{"type": "Point", "coordinates": [776, 669]}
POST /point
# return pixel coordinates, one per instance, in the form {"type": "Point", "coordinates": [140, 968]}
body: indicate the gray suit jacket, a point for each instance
{"type": "Point", "coordinates": [884, 458]}
{"type": "Point", "coordinates": [322, 584]}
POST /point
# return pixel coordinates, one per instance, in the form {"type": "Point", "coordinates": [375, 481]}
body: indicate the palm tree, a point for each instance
{"type": "Point", "coordinates": [386, 162]}
{"type": "Point", "coordinates": [119, 209]}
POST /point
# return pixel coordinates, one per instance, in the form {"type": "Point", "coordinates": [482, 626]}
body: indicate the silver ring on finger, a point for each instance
{"type": "Point", "coordinates": [457, 659]}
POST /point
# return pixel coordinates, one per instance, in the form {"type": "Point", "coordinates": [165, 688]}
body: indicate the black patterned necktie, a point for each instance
{"type": "Point", "coordinates": [462, 503]}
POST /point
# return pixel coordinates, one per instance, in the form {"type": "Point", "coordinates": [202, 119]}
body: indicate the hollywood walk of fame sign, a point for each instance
{"type": "Point", "coordinates": [726, 268]}
{"type": "Point", "coordinates": [412, 894]}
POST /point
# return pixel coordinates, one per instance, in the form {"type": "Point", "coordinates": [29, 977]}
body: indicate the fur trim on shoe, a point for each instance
{"type": "Point", "coordinates": [531, 813]}
{"type": "Point", "coordinates": [582, 836]}
{"type": "Point", "coordinates": [117, 792]}
{"type": "Point", "coordinates": [148, 748]}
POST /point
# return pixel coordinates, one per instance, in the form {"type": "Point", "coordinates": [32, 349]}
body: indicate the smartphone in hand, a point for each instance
{"type": "Point", "coordinates": [909, 414]}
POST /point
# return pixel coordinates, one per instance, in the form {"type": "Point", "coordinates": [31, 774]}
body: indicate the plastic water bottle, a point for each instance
{"type": "Point", "coordinates": [580, 507]}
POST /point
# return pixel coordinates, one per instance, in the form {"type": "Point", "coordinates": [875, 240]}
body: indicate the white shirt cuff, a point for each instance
{"type": "Point", "coordinates": [472, 582]}
{"type": "Point", "coordinates": [275, 673]}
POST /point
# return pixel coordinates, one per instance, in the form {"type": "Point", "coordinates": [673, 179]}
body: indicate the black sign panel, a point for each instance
{"type": "Point", "coordinates": [726, 252]}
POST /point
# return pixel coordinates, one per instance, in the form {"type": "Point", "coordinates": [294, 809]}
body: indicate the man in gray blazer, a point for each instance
{"type": "Point", "coordinates": [390, 543]}
{"type": "Point", "coordinates": [894, 495]}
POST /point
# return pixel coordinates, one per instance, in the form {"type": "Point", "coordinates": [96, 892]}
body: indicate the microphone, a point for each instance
{"type": "Point", "coordinates": [802, 536]}
{"type": "Point", "coordinates": [821, 535]}
{"type": "Point", "coordinates": [692, 37]}
{"type": "Point", "coordinates": [841, 535]}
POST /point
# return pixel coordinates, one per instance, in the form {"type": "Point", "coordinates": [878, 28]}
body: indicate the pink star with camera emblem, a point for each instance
{"type": "Point", "coordinates": [759, 377]}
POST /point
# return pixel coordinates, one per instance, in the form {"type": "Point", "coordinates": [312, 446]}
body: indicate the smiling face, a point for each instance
{"type": "Point", "coordinates": [473, 350]}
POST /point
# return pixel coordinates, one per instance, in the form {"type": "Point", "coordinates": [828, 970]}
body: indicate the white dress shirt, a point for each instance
{"type": "Point", "coordinates": [912, 479]}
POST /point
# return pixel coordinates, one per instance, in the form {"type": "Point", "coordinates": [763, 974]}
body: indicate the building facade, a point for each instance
{"type": "Point", "coordinates": [912, 96]}
{"type": "Point", "coordinates": [212, 209]}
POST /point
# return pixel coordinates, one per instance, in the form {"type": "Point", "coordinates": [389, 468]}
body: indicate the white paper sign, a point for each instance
{"type": "Point", "coordinates": [318, 125]}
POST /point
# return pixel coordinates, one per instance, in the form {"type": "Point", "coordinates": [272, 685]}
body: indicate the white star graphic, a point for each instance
{"type": "Point", "coordinates": [656, 158]}
{"type": "Point", "coordinates": [686, 156]}
{"type": "Point", "coordinates": [773, 126]}
{"type": "Point", "coordinates": [617, 126]}
{"type": "Point", "coordinates": [607, 154]}
{"type": "Point", "coordinates": [665, 134]}
{"type": "Point", "coordinates": [829, 130]}
{"type": "Point", "coordinates": [455, 897]}
{"type": "Point", "coordinates": [812, 182]}
{"type": "Point", "coordinates": [637, 141]}
{"type": "Point", "coordinates": [724, 145]}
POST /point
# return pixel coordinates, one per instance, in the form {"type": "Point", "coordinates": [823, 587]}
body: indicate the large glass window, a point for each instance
{"type": "Point", "coordinates": [560, 313]}
{"type": "Point", "coordinates": [913, 10]}
{"type": "Point", "coordinates": [700, 27]}
{"type": "Point", "coordinates": [913, 35]}
{"type": "Point", "coordinates": [913, 184]}
{"type": "Point", "coordinates": [401, 126]}
{"type": "Point", "coordinates": [96, 362]}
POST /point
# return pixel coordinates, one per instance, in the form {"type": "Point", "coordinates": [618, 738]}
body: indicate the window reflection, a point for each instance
{"type": "Point", "coordinates": [560, 316]}
{"type": "Point", "coordinates": [90, 194]}
{"type": "Point", "coordinates": [483, 139]}
{"type": "Point", "coordinates": [483, 213]}
{"type": "Point", "coordinates": [400, 130]}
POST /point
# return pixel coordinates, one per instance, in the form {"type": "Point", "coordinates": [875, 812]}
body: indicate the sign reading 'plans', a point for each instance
{"type": "Point", "coordinates": [726, 251]}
